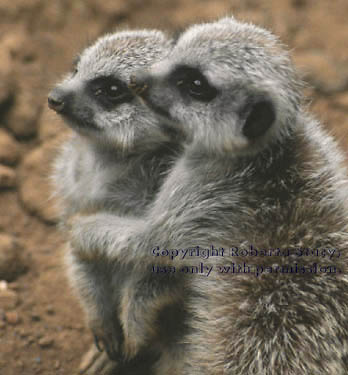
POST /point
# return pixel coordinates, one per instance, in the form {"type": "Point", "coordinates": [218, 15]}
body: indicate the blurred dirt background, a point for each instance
{"type": "Point", "coordinates": [41, 325]}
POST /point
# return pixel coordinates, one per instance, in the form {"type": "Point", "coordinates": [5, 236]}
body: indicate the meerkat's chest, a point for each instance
{"type": "Point", "coordinates": [113, 185]}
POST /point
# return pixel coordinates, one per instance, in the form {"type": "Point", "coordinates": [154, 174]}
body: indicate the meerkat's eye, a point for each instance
{"type": "Point", "coordinates": [190, 81]}
{"type": "Point", "coordinates": [199, 89]}
{"type": "Point", "coordinates": [110, 91]}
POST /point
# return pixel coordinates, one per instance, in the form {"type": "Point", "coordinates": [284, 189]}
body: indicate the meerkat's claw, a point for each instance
{"type": "Point", "coordinates": [114, 349]}
{"type": "Point", "coordinates": [96, 363]}
{"type": "Point", "coordinates": [112, 353]}
{"type": "Point", "coordinates": [111, 341]}
{"type": "Point", "coordinates": [96, 342]}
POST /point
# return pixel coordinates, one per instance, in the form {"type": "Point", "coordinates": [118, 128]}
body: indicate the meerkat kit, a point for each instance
{"type": "Point", "coordinates": [204, 142]}
{"type": "Point", "coordinates": [115, 161]}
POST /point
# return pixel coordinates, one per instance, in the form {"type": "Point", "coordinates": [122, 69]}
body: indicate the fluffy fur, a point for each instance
{"type": "Point", "coordinates": [115, 162]}
{"type": "Point", "coordinates": [260, 172]}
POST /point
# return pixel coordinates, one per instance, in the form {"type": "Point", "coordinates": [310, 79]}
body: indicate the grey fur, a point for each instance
{"type": "Point", "coordinates": [284, 188]}
{"type": "Point", "coordinates": [114, 162]}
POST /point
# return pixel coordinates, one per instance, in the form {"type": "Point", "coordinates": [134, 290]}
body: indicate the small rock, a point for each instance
{"type": "Point", "coordinates": [6, 77]}
{"type": "Point", "coordinates": [24, 110]}
{"type": "Point", "coordinates": [2, 324]}
{"type": "Point", "coordinates": [7, 177]}
{"type": "Point", "coordinates": [342, 100]}
{"type": "Point", "coordinates": [8, 299]}
{"type": "Point", "coordinates": [54, 15]}
{"type": "Point", "coordinates": [22, 119]}
{"type": "Point", "coordinates": [57, 365]}
{"type": "Point", "coordinates": [30, 340]}
{"type": "Point", "coordinates": [9, 148]}
{"type": "Point", "coordinates": [299, 3]}
{"type": "Point", "coordinates": [80, 327]}
{"type": "Point", "coordinates": [51, 125]}
{"type": "Point", "coordinates": [46, 342]}
{"type": "Point", "coordinates": [321, 71]}
{"type": "Point", "coordinates": [35, 317]}
{"type": "Point", "coordinates": [12, 262]}
{"type": "Point", "coordinates": [35, 190]}
{"type": "Point", "coordinates": [112, 8]}
{"type": "Point", "coordinates": [18, 45]}
{"type": "Point", "coordinates": [15, 286]}
{"type": "Point", "coordinates": [23, 334]}
{"type": "Point", "coordinates": [3, 285]}
{"type": "Point", "coordinates": [12, 317]}
{"type": "Point", "coordinates": [50, 310]}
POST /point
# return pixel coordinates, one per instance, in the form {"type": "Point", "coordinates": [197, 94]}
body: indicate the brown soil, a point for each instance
{"type": "Point", "coordinates": [42, 328]}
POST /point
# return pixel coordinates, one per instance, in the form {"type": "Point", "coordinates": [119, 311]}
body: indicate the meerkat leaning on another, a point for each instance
{"type": "Point", "coordinates": [260, 174]}
{"type": "Point", "coordinates": [115, 162]}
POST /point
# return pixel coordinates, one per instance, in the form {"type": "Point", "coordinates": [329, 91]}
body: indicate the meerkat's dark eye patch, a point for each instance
{"type": "Point", "coordinates": [260, 115]}
{"type": "Point", "coordinates": [190, 81]}
{"type": "Point", "coordinates": [110, 91]}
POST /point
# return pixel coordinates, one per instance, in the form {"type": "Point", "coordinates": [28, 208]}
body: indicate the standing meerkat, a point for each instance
{"type": "Point", "coordinates": [259, 174]}
{"type": "Point", "coordinates": [115, 162]}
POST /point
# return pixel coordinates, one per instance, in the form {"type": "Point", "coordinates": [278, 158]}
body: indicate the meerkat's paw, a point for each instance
{"type": "Point", "coordinates": [96, 363]}
{"type": "Point", "coordinates": [108, 337]}
{"type": "Point", "coordinates": [100, 236]}
{"type": "Point", "coordinates": [84, 237]}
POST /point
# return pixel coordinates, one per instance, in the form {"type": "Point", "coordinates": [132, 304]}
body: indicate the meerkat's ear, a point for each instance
{"type": "Point", "coordinates": [259, 116]}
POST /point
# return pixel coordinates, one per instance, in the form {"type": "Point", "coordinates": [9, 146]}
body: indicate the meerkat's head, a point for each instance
{"type": "Point", "coordinates": [230, 85]}
{"type": "Point", "coordinates": [95, 99]}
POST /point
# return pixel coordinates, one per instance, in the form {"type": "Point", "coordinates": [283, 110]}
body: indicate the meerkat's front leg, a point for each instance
{"type": "Point", "coordinates": [136, 312]}
{"type": "Point", "coordinates": [93, 280]}
{"type": "Point", "coordinates": [101, 235]}
{"type": "Point", "coordinates": [144, 295]}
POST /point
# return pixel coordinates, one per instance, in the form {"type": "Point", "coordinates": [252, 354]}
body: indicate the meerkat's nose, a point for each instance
{"type": "Point", "coordinates": [140, 83]}
{"type": "Point", "coordinates": [56, 100]}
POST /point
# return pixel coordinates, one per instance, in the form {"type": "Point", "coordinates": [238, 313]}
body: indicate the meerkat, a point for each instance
{"type": "Point", "coordinates": [259, 174]}
{"type": "Point", "coordinates": [115, 162]}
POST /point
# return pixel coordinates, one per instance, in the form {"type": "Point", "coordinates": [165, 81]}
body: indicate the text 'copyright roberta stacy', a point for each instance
{"type": "Point", "coordinates": [242, 260]}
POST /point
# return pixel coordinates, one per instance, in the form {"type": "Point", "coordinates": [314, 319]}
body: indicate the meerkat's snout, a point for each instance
{"type": "Point", "coordinates": [58, 100]}
{"type": "Point", "coordinates": [71, 106]}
